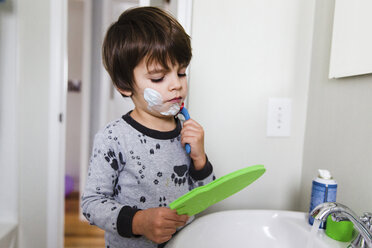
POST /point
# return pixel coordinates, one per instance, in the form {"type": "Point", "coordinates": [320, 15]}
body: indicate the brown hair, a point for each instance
{"type": "Point", "coordinates": [145, 32]}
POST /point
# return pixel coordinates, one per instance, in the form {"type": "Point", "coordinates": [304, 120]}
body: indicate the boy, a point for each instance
{"type": "Point", "coordinates": [139, 164]}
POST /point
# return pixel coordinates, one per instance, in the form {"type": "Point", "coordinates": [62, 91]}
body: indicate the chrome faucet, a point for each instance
{"type": "Point", "coordinates": [340, 212]}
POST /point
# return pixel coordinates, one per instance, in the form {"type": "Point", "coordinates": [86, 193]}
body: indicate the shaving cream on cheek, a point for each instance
{"type": "Point", "coordinates": [155, 103]}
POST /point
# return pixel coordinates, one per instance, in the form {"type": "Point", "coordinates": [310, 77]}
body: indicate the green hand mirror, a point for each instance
{"type": "Point", "coordinates": [202, 197]}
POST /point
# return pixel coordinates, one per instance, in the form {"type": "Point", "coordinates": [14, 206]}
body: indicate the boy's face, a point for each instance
{"type": "Point", "coordinates": [158, 91]}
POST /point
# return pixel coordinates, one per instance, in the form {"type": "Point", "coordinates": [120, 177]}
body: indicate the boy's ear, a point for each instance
{"type": "Point", "coordinates": [125, 92]}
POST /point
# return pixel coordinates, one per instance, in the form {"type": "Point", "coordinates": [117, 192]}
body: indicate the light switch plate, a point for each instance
{"type": "Point", "coordinates": [279, 117]}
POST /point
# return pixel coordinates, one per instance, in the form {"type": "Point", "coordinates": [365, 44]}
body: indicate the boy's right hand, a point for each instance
{"type": "Point", "coordinates": [157, 224]}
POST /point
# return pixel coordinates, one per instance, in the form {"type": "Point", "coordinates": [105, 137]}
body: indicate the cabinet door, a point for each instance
{"type": "Point", "coordinates": [351, 52]}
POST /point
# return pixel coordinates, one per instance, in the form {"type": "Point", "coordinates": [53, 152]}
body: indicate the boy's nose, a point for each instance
{"type": "Point", "coordinates": [175, 83]}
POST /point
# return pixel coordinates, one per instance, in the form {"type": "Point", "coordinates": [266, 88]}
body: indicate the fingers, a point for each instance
{"type": "Point", "coordinates": [161, 240]}
{"type": "Point", "coordinates": [192, 124]}
{"type": "Point", "coordinates": [179, 220]}
{"type": "Point", "coordinates": [172, 219]}
{"type": "Point", "coordinates": [161, 223]}
{"type": "Point", "coordinates": [192, 133]}
{"type": "Point", "coordinates": [169, 226]}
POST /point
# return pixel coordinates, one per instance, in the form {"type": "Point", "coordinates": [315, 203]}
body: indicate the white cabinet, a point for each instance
{"type": "Point", "coordinates": [351, 52]}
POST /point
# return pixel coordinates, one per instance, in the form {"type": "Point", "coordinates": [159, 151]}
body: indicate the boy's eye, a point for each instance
{"type": "Point", "coordinates": [182, 74]}
{"type": "Point", "coordinates": [157, 80]}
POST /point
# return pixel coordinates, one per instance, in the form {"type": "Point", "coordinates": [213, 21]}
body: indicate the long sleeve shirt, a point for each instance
{"type": "Point", "coordinates": [131, 168]}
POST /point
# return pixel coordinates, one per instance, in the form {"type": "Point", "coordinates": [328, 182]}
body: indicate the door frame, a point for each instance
{"type": "Point", "coordinates": [57, 124]}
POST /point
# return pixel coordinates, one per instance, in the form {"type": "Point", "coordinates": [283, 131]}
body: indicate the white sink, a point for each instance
{"type": "Point", "coordinates": [252, 228]}
{"type": "Point", "coordinates": [7, 234]}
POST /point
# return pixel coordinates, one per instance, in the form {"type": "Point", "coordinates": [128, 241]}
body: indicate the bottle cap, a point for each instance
{"type": "Point", "coordinates": [325, 174]}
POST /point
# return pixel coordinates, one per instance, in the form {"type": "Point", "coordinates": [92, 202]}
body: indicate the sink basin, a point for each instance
{"type": "Point", "coordinates": [7, 234]}
{"type": "Point", "coordinates": [252, 228]}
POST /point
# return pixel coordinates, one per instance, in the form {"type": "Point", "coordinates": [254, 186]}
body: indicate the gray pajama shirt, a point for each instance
{"type": "Point", "coordinates": [133, 168]}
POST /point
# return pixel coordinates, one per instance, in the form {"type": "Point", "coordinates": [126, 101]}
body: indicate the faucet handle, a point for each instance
{"type": "Point", "coordinates": [366, 218]}
{"type": "Point", "coordinates": [339, 217]}
{"type": "Point", "coordinates": [359, 241]}
{"type": "Point", "coordinates": [367, 214]}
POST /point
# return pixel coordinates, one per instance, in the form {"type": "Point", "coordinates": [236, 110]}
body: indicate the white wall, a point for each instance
{"type": "Point", "coordinates": [339, 124]}
{"type": "Point", "coordinates": [245, 52]}
{"type": "Point", "coordinates": [96, 69]}
{"type": "Point", "coordinates": [118, 105]}
{"type": "Point", "coordinates": [8, 113]}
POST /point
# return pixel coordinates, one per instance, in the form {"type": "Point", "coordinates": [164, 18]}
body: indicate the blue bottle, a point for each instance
{"type": "Point", "coordinates": [324, 189]}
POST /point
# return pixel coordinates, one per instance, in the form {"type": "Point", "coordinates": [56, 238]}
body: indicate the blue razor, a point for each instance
{"type": "Point", "coordinates": [185, 113]}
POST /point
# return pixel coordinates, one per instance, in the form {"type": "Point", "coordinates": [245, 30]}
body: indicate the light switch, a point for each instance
{"type": "Point", "coordinates": [279, 117]}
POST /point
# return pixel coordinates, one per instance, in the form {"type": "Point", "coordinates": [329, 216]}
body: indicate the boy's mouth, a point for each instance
{"type": "Point", "coordinates": [176, 100]}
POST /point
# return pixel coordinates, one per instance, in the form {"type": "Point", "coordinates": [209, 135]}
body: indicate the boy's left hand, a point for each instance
{"type": "Point", "coordinates": [193, 134]}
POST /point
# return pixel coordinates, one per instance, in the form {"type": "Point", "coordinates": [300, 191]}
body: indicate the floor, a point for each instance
{"type": "Point", "coordinates": [79, 234]}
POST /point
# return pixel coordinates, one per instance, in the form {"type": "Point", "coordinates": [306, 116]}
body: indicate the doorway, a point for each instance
{"type": "Point", "coordinates": [77, 232]}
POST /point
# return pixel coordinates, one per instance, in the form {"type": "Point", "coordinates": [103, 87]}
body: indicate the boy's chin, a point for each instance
{"type": "Point", "coordinates": [173, 110]}
{"type": "Point", "coordinates": [166, 111]}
